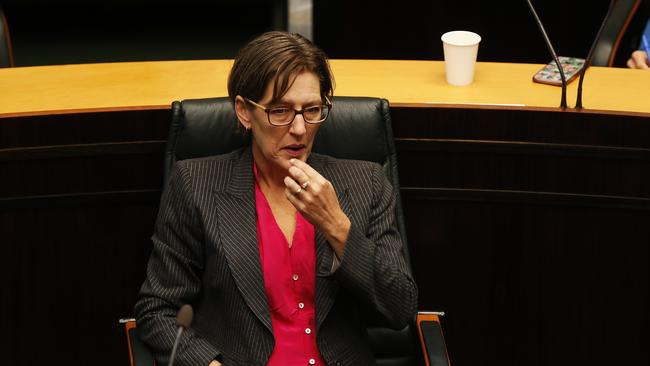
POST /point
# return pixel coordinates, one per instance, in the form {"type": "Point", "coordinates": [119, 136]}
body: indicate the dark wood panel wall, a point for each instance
{"type": "Point", "coordinates": [78, 198]}
{"type": "Point", "coordinates": [529, 228]}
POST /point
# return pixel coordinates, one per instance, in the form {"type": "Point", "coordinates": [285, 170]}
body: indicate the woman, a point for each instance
{"type": "Point", "coordinates": [280, 251]}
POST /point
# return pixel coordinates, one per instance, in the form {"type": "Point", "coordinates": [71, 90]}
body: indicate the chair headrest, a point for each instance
{"type": "Point", "coordinates": [355, 129]}
{"type": "Point", "coordinates": [205, 127]}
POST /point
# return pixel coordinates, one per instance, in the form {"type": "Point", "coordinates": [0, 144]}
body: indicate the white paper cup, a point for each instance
{"type": "Point", "coordinates": [460, 49]}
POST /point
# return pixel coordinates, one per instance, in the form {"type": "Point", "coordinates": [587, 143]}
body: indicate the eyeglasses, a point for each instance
{"type": "Point", "coordinates": [282, 116]}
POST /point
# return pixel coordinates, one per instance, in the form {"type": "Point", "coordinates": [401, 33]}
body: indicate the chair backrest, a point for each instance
{"type": "Point", "coordinates": [6, 55]}
{"type": "Point", "coordinates": [613, 31]}
{"type": "Point", "coordinates": [432, 339]}
{"type": "Point", "coordinates": [139, 353]}
{"type": "Point", "coordinates": [357, 128]}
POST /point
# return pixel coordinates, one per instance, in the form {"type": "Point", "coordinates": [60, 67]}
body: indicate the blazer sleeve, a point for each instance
{"type": "Point", "coordinates": [373, 266]}
{"type": "Point", "coordinates": [174, 276]}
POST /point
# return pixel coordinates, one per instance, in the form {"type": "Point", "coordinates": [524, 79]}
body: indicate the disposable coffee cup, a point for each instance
{"type": "Point", "coordinates": [460, 49]}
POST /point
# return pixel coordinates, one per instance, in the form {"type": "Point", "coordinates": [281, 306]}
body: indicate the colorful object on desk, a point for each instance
{"type": "Point", "coordinates": [550, 74]}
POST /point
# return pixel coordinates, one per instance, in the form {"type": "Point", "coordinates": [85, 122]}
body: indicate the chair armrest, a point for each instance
{"type": "Point", "coordinates": [432, 339]}
{"type": "Point", "coordinates": [139, 353]}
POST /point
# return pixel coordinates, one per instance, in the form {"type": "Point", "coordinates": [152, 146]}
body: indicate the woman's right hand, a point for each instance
{"type": "Point", "coordinates": [638, 60]}
{"type": "Point", "coordinates": [215, 363]}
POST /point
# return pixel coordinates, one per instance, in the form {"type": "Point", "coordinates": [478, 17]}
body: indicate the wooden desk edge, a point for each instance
{"type": "Point", "coordinates": [518, 108]}
{"type": "Point", "coordinates": [85, 110]}
{"type": "Point", "coordinates": [392, 105]}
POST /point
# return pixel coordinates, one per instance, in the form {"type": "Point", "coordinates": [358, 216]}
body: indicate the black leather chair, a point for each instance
{"type": "Point", "coordinates": [6, 55]}
{"type": "Point", "coordinates": [608, 43]}
{"type": "Point", "coordinates": [139, 354]}
{"type": "Point", "coordinates": [357, 128]}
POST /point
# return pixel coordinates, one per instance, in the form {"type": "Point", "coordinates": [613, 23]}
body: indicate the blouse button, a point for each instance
{"type": "Point", "coordinates": [308, 331]}
{"type": "Point", "coordinates": [301, 305]}
{"type": "Point", "coordinates": [312, 361]}
{"type": "Point", "coordinates": [295, 277]}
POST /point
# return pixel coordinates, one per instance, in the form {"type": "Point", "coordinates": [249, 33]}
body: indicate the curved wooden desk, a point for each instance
{"type": "Point", "coordinates": [528, 225]}
{"type": "Point", "coordinates": [154, 85]}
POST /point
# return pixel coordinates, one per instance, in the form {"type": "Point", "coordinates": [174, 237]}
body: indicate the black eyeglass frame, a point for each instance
{"type": "Point", "coordinates": [296, 112]}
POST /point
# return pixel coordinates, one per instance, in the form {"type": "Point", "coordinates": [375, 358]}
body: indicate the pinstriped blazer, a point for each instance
{"type": "Point", "coordinates": [206, 254]}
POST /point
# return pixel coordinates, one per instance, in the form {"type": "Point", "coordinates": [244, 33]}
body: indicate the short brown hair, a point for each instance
{"type": "Point", "coordinates": [277, 57]}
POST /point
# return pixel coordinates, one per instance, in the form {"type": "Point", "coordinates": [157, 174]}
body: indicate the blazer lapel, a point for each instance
{"type": "Point", "coordinates": [239, 236]}
{"type": "Point", "coordinates": [326, 286]}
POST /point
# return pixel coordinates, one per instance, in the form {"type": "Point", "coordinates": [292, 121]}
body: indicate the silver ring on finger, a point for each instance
{"type": "Point", "coordinates": [304, 185]}
{"type": "Point", "coordinates": [298, 191]}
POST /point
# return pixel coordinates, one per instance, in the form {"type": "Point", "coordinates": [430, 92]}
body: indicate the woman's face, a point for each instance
{"type": "Point", "coordinates": [273, 146]}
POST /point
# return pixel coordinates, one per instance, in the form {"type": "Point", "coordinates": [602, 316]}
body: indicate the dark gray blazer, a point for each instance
{"type": "Point", "coordinates": [206, 254]}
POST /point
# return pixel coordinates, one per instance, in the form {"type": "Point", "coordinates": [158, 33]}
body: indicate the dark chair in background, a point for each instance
{"type": "Point", "coordinates": [613, 31]}
{"type": "Point", "coordinates": [357, 128]}
{"type": "Point", "coordinates": [6, 55]}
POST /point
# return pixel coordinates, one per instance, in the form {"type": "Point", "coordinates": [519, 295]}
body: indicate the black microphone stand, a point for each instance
{"type": "Point", "coordinates": [563, 104]}
{"type": "Point", "coordinates": [591, 55]}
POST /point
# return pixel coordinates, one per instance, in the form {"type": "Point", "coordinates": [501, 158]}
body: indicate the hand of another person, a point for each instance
{"type": "Point", "coordinates": [315, 198]}
{"type": "Point", "coordinates": [638, 60]}
{"type": "Point", "coordinates": [215, 363]}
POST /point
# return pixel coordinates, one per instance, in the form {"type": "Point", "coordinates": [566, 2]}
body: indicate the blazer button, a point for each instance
{"type": "Point", "coordinates": [312, 361]}
{"type": "Point", "coordinates": [307, 330]}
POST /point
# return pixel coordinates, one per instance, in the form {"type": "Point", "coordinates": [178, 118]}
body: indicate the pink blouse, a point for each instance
{"type": "Point", "coordinates": [289, 280]}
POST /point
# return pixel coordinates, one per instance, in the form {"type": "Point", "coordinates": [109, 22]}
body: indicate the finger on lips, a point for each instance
{"type": "Point", "coordinates": [309, 171]}
{"type": "Point", "coordinates": [299, 174]}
